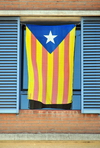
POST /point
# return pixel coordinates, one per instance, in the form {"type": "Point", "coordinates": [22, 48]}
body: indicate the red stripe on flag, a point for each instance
{"type": "Point", "coordinates": [44, 73]}
{"type": "Point", "coordinates": [33, 54]}
{"type": "Point", "coordinates": [66, 69]}
{"type": "Point", "coordinates": [55, 76]}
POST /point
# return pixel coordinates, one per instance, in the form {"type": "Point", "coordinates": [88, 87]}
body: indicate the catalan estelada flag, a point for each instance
{"type": "Point", "coordinates": [50, 58]}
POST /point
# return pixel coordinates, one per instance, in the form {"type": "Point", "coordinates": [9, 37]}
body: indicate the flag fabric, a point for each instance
{"type": "Point", "coordinates": [50, 60]}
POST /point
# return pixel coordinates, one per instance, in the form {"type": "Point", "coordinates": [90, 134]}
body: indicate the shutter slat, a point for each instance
{"type": "Point", "coordinates": [91, 89]}
{"type": "Point", "coordinates": [92, 33]}
{"type": "Point", "coordinates": [10, 44]}
{"type": "Point", "coordinates": [7, 51]}
{"type": "Point", "coordinates": [91, 26]}
{"type": "Point", "coordinates": [7, 106]}
{"type": "Point", "coordinates": [9, 64]}
{"type": "Point", "coordinates": [96, 100]}
{"type": "Point", "coordinates": [92, 41]}
{"type": "Point", "coordinates": [93, 85]}
{"type": "Point", "coordinates": [90, 65]}
{"type": "Point", "coordinates": [10, 41]}
{"type": "Point", "coordinates": [8, 30]}
{"type": "Point", "coordinates": [14, 73]}
{"type": "Point", "coordinates": [90, 47]}
{"type": "Point", "coordinates": [4, 37]}
{"type": "Point", "coordinates": [7, 48]}
{"type": "Point", "coordinates": [86, 39]}
{"type": "Point", "coordinates": [6, 100]}
{"type": "Point", "coordinates": [8, 33]}
{"type": "Point", "coordinates": [8, 97]}
{"type": "Point", "coordinates": [8, 58]}
{"type": "Point", "coordinates": [91, 97]}
{"type": "Point", "coordinates": [91, 36]}
{"type": "Point", "coordinates": [7, 94]}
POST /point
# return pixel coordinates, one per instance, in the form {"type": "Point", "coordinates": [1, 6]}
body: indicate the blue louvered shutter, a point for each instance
{"type": "Point", "coordinates": [90, 37]}
{"type": "Point", "coordinates": [9, 64]}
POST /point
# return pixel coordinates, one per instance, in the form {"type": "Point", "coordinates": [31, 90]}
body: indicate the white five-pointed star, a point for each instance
{"type": "Point", "coordinates": [50, 37]}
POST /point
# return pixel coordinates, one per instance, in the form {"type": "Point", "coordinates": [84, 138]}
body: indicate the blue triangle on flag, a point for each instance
{"type": "Point", "coordinates": [50, 36]}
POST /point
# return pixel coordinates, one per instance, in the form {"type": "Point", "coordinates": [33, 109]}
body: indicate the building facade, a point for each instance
{"type": "Point", "coordinates": [15, 114]}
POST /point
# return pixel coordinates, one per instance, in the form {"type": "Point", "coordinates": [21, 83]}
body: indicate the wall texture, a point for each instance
{"type": "Point", "coordinates": [49, 121]}
{"type": "Point", "coordinates": [50, 5]}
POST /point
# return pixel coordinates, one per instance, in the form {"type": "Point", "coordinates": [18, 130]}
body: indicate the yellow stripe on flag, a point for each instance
{"type": "Point", "coordinates": [39, 67]}
{"type": "Point", "coordinates": [49, 78]}
{"type": "Point", "coordinates": [30, 67]}
{"type": "Point", "coordinates": [60, 73]}
{"type": "Point", "coordinates": [71, 63]}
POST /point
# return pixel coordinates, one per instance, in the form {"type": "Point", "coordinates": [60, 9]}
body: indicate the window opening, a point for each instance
{"type": "Point", "coordinates": [30, 104]}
